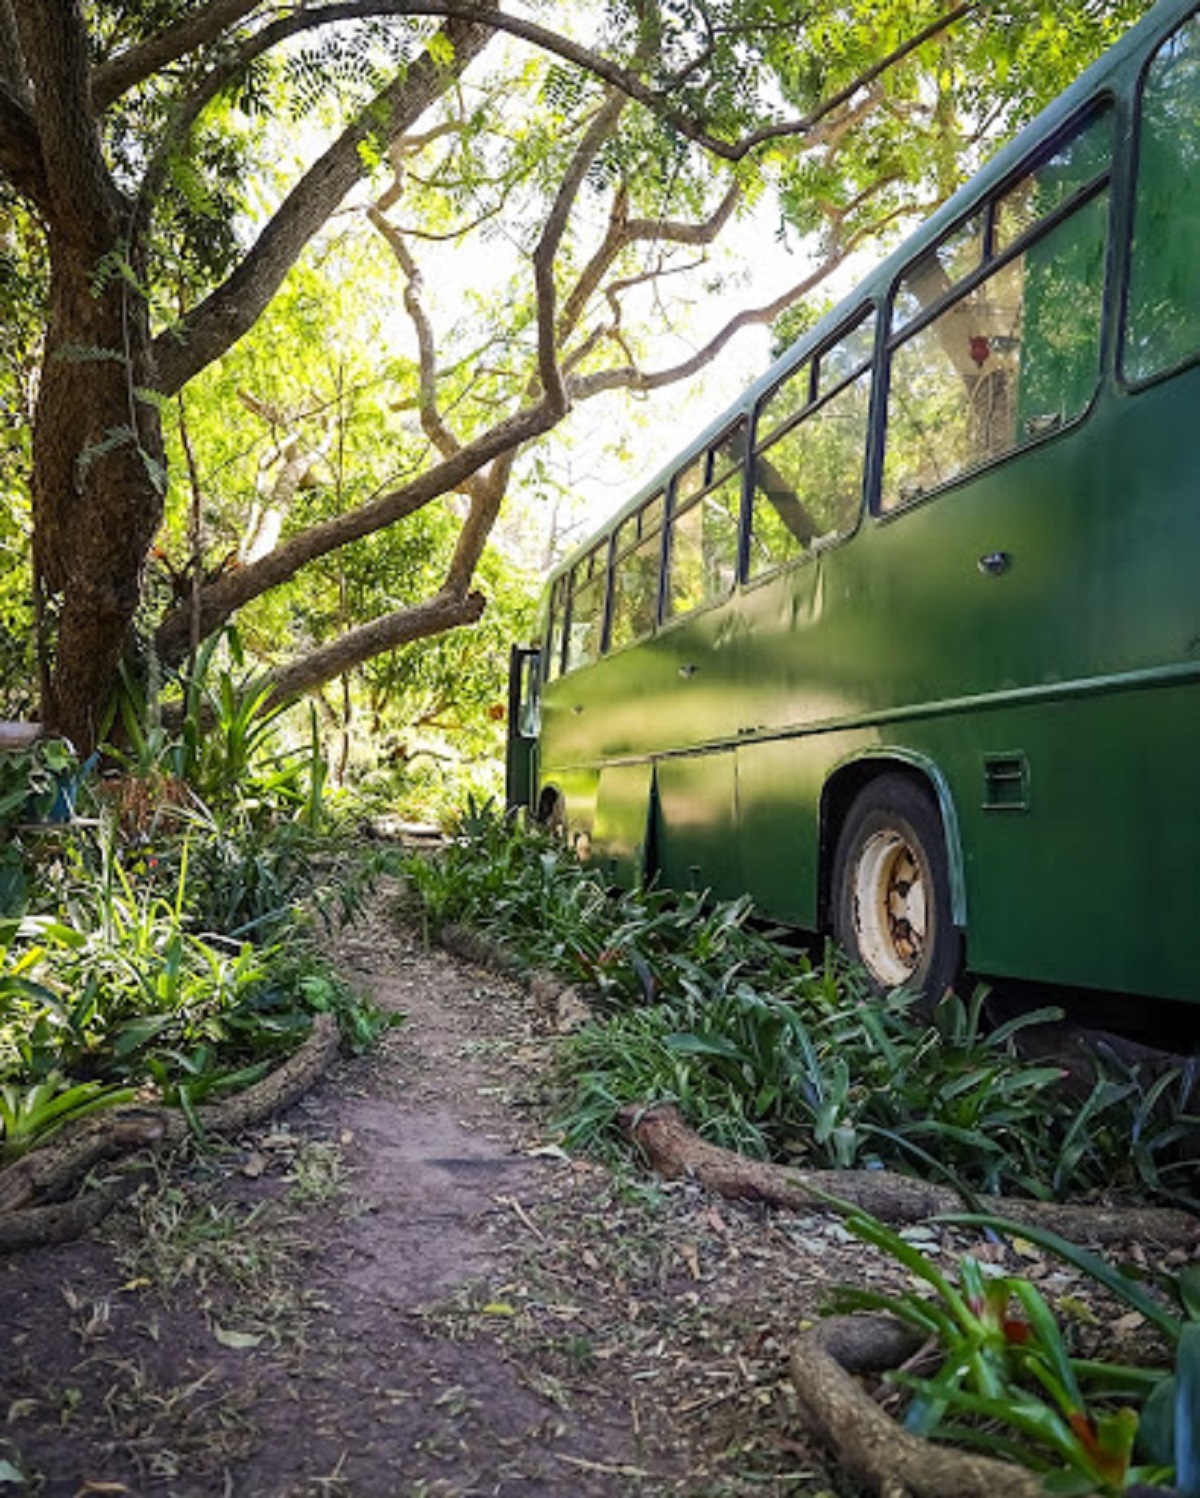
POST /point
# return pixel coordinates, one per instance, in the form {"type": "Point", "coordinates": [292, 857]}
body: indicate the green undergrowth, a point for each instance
{"type": "Point", "coordinates": [1011, 1381]}
{"type": "Point", "coordinates": [166, 940]}
{"type": "Point", "coordinates": [781, 1055]}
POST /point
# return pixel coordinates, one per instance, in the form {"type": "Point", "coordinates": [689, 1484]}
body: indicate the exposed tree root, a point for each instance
{"type": "Point", "coordinates": [867, 1443]}
{"type": "Point", "coordinates": [557, 1006]}
{"type": "Point", "coordinates": [675, 1150]}
{"type": "Point", "coordinates": [480, 950]}
{"type": "Point", "coordinates": [31, 1209]}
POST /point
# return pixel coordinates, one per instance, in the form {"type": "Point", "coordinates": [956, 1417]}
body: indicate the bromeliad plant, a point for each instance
{"type": "Point", "coordinates": [1008, 1383]}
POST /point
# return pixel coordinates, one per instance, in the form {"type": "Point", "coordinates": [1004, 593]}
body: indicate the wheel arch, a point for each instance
{"type": "Point", "coordinates": [847, 780]}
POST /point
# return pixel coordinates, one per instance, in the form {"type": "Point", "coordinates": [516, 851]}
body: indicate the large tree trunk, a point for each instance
{"type": "Point", "coordinates": [97, 448]}
{"type": "Point", "coordinates": [98, 477]}
{"type": "Point", "coordinates": [98, 481]}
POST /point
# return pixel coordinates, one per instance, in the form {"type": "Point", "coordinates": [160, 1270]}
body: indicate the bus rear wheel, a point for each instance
{"type": "Point", "coordinates": [891, 890]}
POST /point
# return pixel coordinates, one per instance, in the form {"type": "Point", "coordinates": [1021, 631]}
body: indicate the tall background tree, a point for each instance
{"type": "Point", "coordinates": [172, 171]}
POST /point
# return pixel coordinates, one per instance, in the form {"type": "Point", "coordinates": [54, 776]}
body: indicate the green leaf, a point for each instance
{"type": "Point", "coordinates": [235, 1339]}
{"type": "Point", "coordinates": [1188, 1285]}
{"type": "Point", "coordinates": [1187, 1412]}
{"type": "Point", "coordinates": [1156, 1428]}
{"type": "Point", "coordinates": [1091, 1264]}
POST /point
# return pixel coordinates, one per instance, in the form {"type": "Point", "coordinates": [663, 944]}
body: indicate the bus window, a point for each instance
{"type": "Point", "coordinates": [938, 270]}
{"type": "Point", "coordinates": [1163, 318]}
{"type": "Point", "coordinates": [704, 528]}
{"type": "Point", "coordinates": [787, 400]}
{"type": "Point", "coordinates": [1072, 166]}
{"type": "Point", "coordinates": [635, 575]}
{"type": "Point", "coordinates": [586, 620]}
{"type": "Point", "coordinates": [1015, 357]}
{"type": "Point", "coordinates": [554, 629]}
{"type": "Point", "coordinates": [808, 479]}
{"type": "Point", "coordinates": [847, 356]}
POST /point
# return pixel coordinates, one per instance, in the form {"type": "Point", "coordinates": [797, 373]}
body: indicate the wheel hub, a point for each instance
{"type": "Point", "coordinates": [890, 908]}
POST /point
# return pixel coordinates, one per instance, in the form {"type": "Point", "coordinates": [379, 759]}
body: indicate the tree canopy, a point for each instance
{"type": "Point", "coordinates": [172, 170]}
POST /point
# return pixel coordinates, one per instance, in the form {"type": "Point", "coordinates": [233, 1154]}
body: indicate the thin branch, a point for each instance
{"type": "Point", "coordinates": [630, 377]}
{"type": "Point", "coordinates": [546, 251]}
{"type": "Point", "coordinates": [432, 423]}
{"type": "Point", "coordinates": [634, 87]}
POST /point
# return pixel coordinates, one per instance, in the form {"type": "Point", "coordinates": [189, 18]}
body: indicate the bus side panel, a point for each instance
{"type": "Point", "coordinates": [779, 788]}
{"type": "Point", "coordinates": [622, 824]}
{"type": "Point", "coordinates": [1087, 874]}
{"type": "Point", "coordinates": [696, 835]}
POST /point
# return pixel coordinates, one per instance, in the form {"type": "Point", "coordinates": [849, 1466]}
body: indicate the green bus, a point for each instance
{"type": "Point", "coordinates": [906, 644]}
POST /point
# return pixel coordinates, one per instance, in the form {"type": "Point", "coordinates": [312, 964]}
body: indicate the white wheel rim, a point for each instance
{"type": "Point", "coordinates": [890, 908]}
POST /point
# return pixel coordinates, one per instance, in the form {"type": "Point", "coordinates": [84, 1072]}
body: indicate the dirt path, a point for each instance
{"type": "Point", "coordinates": [403, 1290]}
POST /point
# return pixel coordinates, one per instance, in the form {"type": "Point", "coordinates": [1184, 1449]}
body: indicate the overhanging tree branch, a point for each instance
{"type": "Point", "coordinates": [232, 309]}
{"type": "Point", "coordinates": [200, 28]}
{"type": "Point", "coordinates": [233, 590]}
{"type": "Point", "coordinates": [631, 84]}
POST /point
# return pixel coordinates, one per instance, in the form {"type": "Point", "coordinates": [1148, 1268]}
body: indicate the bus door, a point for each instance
{"type": "Point", "coordinates": [524, 722]}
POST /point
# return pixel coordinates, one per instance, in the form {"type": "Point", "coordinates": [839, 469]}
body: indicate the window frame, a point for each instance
{"type": "Point", "coordinates": [1168, 372]}
{"type": "Point", "coordinates": [810, 365]}
{"type": "Point", "coordinates": [1104, 102]}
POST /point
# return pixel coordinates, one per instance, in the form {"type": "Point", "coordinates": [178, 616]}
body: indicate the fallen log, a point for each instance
{"type": "Point", "coordinates": [866, 1441]}
{"type": "Point", "coordinates": [31, 1209]}
{"type": "Point", "coordinates": [674, 1150]}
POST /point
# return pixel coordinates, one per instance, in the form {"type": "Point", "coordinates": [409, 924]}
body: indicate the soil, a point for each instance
{"type": "Point", "coordinates": [405, 1288]}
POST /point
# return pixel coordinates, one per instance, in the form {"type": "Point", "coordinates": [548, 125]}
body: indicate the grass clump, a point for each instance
{"type": "Point", "coordinates": [781, 1055]}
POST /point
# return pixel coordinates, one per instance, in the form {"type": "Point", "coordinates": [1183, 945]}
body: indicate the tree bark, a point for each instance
{"type": "Point", "coordinates": [676, 1151]}
{"type": "Point", "coordinates": [29, 1213]}
{"type": "Point", "coordinates": [868, 1444]}
{"type": "Point", "coordinates": [98, 479]}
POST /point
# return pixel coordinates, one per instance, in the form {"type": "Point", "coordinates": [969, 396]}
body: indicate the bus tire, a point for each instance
{"type": "Point", "coordinates": [891, 903]}
{"type": "Point", "coordinates": [552, 812]}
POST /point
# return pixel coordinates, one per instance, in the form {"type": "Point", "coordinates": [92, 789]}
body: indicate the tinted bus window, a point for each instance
{"type": "Point", "coordinates": [955, 256]}
{"type": "Point", "coordinates": [808, 477]}
{"type": "Point", "coordinates": [704, 528]}
{"type": "Point", "coordinates": [634, 611]}
{"type": "Point", "coordinates": [554, 629]}
{"type": "Point", "coordinates": [1163, 320]}
{"type": "Point", "coordinates": [1018, 354]}
{"type": "Point", "coordinates": [586, 619]}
